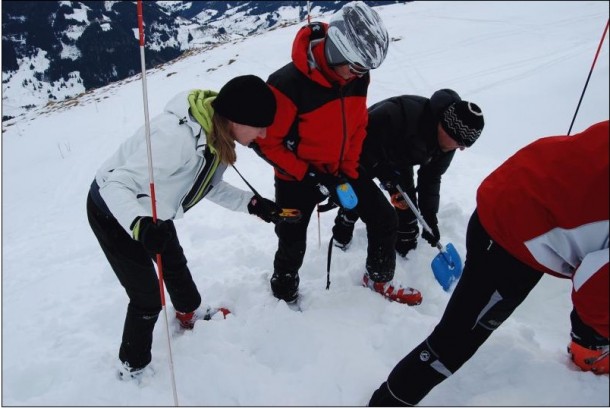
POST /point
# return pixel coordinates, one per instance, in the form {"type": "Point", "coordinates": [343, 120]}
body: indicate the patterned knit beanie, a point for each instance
{"type": "Point", "coordinates": [463, 121]}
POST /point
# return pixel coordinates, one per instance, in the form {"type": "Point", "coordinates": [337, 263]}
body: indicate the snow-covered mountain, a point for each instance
{"type": "Point", "coordinates": [55, 50]}
{"type": "Point", "coordinates": [524, 63]}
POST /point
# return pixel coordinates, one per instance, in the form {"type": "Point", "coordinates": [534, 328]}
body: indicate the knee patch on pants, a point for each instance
{"type": "Point", "coordinates": [496, 311]}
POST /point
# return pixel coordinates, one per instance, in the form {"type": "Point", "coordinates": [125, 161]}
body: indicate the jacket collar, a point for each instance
{"type": "Point", "coordinates": [179, 106]}
{"type": "Point", "coordinates": [308, 57]}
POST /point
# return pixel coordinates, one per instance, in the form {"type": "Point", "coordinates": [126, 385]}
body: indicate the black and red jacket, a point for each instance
{"type": "Point", "coordinates": [321, 118]}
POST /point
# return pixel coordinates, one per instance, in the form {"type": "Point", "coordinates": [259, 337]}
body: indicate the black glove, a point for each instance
{"type": "Point", "coordinates": [325, 183]}
{"type": "Point", "coordinates": [154, 236]}
{"type": "Point", "coordinates": [436, 235]}
{"type": "Point", "coordinates": [264, 209]}
{"type": "Point", "coordinates": [388, 177]}
{"type": "Point", "coordinates": [407, 240]}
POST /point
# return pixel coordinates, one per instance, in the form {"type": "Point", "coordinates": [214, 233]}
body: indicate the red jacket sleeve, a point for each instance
{"type": "Point", "coordinates": [272, 146]}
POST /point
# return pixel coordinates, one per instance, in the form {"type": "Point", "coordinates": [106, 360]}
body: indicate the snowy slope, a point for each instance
{"type": "Point", "coordinates": [524, 63]}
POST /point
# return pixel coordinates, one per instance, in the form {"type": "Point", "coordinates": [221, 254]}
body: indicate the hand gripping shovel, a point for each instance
{"type": "Point", "coordinates": [447, 265]}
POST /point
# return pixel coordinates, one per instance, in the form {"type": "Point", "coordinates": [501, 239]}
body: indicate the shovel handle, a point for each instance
{"type": "Point", "coordinates": [443, 252]}
{"type": "Point", "coordinates": [424, 224]}
{"type": "Point", "coordinates": [417, 214]}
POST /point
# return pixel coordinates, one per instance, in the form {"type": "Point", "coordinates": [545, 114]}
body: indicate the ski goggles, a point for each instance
{"type": "Point", "coordinates": [358, 70]}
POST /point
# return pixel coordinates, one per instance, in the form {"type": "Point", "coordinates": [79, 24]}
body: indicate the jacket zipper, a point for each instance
{"type": "Point", "coordinates": [344, 129]}
{"type": "Point", "coordinates": [203, 184]}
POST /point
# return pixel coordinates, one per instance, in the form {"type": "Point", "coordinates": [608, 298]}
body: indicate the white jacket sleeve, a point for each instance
{"type": "Point", "coordinates": [230, 197]}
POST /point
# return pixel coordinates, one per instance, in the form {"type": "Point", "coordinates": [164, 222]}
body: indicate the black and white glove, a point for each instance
{"type": "Point", "coordinates": [435, 237]}
{"type": "Point", "coordinates": [265, 209]}
{"type": "Point", "coordinates": [154, 236]}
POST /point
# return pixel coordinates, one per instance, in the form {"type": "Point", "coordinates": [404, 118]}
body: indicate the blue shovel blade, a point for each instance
{"type": "Point", "coordinates": [447, 267]}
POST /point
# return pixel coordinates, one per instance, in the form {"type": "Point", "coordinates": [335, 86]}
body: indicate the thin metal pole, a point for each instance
{"type": "Point", "coordinates": [309, 12]}
{"type": "Point", "coordinates": [319, 234]}
{"type": "Point", "coordinates": [152, 194]}
{"type": "Point", "coordinates": [318, 206]}
{"type": "Point", "coordinates": [601, 41]}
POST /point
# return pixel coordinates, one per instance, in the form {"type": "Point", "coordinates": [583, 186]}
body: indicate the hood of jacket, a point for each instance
{"type": "Point", "coordinates": [193, 108]}
{"type": "Point", "coordinates": [309, 58]}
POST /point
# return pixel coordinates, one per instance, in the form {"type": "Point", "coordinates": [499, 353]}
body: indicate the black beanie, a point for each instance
{"type": "Point", "coordinates": [246, 100]}
{"type": "Point", "coordinates": [463, 121]}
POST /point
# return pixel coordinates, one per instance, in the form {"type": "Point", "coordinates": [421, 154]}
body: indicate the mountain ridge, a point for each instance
{"type": "Point", "coordinates": [56, 50]}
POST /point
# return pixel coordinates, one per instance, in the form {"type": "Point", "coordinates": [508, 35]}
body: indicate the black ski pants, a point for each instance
{"type": "Point", "coordinates": [373, 208]}
{"type": "Point", "coordinates": [134, 268]}
{"type": "Point", "coordinates": [492, 285]}
{"type": "Point", "coordinates": [345, 220]}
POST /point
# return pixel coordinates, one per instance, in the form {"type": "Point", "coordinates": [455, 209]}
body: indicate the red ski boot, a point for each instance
{"type": "Point", "coordinates": [187, 320]}
{"type": "Point", "coordinates": [398, 293]}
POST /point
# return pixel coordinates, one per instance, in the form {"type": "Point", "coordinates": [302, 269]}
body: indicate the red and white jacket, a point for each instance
{"type": "Point", "coordinates": [548, 206]}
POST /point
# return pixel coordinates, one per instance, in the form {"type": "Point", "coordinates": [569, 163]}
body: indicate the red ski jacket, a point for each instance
{"type": "Point", "coordinates": [321, 118]}
{"type": "Point", "coordinates": [548, 206]}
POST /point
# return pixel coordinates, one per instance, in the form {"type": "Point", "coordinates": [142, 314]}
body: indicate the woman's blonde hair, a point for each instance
{"type": "Point", "coordinates": [221, 139]}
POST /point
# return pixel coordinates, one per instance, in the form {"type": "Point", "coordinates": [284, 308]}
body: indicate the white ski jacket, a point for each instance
{"type": "Point", "coordinates": [183, 165]}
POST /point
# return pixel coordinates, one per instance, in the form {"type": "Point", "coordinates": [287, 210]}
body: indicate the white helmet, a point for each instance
{"type": "Point", "coordinates": [356, 35]}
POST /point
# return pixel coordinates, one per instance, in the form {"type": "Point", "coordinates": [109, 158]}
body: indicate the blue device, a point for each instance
{"type": "Point", "coordinates": [347, 196]}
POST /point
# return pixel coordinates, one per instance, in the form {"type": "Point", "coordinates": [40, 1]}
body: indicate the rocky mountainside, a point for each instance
{"type": "Point", "coordinates": [55, 50]}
